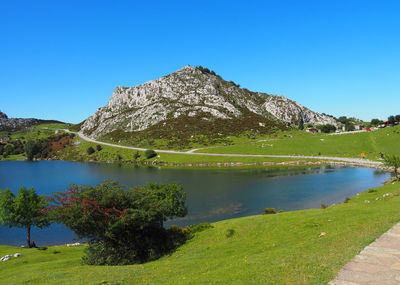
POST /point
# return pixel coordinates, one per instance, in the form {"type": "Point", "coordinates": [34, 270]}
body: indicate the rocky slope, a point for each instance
{"type": "Point", "coordinates": [199, 94]}
{"type": "Point", "coordinates": [12, 124]}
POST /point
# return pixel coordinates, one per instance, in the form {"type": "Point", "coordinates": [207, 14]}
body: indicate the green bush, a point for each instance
{"type": "Point", "coordinates": [324, 206]}
{"type": "Point", "coordinates": [137, 155]}
{"type": "Point", "coordinates": [229, 233]}
{"type": "Point", "coordinates": [99, 147]}
{"type": "Point", "coordinates": [269, 211]}
{"type": "Point", "coordinates": [199, 227]}
{"type": "Point", "coordinates": [90, 150]}
{"type": "Point", "coordinates": [346, 200]}
{"type": "Point", "coordinates": [123, 226]}
{"type": "Point", "coordinates": [327, 128]}
{"type": "Point", "coordinates": [150, 153]}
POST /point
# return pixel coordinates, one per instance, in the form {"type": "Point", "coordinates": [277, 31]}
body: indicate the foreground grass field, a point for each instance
{"type": "Point", "coordinates": [284, 248]}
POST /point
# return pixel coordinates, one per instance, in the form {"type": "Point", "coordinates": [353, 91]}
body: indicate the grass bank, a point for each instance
{"type": "Point", "coordinates": [284, 248]}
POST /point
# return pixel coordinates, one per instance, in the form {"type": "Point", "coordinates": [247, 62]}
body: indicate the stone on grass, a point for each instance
{"type": "Point", "coordinates": [5, 258]}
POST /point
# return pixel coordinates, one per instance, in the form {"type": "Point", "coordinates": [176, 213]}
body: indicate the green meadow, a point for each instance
{"type": "Point", "coordinates": [301, 143]}
{"type": "Point", "coordinates": [283, 248]}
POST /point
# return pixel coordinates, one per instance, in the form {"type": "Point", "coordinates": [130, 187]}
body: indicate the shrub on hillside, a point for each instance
{"type": "Point", "coordinates": [123, 226]}
{"type": "Point", "coordinates": [199, 227]}
{"type": "Point", "coordinates": [269, 211]}
{"type": "Point", "coordinates": [328, 128]}
{"type": "Point", "coordinates": [99, 147]}
{"type": "Point", "coordinates": [150, 153]}
{"type": "Point", "coordinates": [229, 233]}
{"type": "Point", "coordinates": [90, 150]}
{"type": "Point", "coordinates": [137, 155]}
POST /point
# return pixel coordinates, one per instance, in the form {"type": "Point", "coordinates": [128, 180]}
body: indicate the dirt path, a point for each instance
{"type": "Point", "coordinates": [359, 161]}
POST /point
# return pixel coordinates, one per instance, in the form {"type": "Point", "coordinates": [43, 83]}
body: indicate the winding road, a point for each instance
{"type": "Point", "coordinates": [359, 161]}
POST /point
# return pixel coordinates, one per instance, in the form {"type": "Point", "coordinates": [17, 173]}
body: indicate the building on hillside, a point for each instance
{"type": "Point", "coordinates": [358, 127]}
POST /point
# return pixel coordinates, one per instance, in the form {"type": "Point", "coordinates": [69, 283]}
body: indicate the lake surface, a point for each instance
{"type": "Point", "coordinates": [212, 195]}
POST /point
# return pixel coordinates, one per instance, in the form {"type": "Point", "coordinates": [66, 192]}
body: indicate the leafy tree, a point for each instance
{"type": "Point", "coordinates": [392, 120]}
{"type": "Point", "coordinates": [23, 211]}
{"type": "Point", "coordinates": [394, 161]}
{"type": "Point", "coordinates": [99, 147]}
{"type": "Point", "coordinates": [150, 153]}
{"type": "Point", "coordinates": [327, 128]}
{"type": "Point", "coordinates": [349, 127]}
{"type": "Point", "coordinates": [301, 124]}
{"type": "Point", "coordinates": [376, 122]}
{"type": "Point", "coordinates": [122, 225]}
{"type": "Point", "coordinates": [90, 150]}
{"type": "Point", "coordinates": [8, 149]}
{"type": "Point", "coordinates": [31, 149]}
{"type": "Point", "coordinates": [397, 118]}
{"type": "Point", "coordinates": [343, 119]}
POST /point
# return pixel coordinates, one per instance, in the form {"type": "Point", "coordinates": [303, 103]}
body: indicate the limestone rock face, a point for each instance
{"type": "Point", "coordinates": [11, 124]}
{"type": "Point", "coordinates": [191, 92]}
{"type": "Point", "coordinates": [3, 116]}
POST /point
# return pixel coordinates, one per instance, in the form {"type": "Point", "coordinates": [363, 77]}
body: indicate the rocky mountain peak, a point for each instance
{"type": "Point", "coordinates": [3, 115]}
{"type": "Point", "coordinates": [193, 92]}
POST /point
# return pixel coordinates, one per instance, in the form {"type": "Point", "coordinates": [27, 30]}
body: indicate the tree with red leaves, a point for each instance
{"type": "Point", "coordinates": [123, 225]}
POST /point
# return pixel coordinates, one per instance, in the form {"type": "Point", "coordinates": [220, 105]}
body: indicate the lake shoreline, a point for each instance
{"type": "Point", "coordinates": [221, 165]}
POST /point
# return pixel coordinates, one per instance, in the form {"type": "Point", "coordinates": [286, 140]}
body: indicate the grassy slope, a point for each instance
{"type": "Point", "coordinates": [285, 143]}
{"type": "Point", "coordinates": [270, 249]}
{"type": "Point", "coordinates": [41, 131]}
{"type": "Point", "coordinates": [348, 145]}
{"type": "Point", "coordinates": [110, 154]}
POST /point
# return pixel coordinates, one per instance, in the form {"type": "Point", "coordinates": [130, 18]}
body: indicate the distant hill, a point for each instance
{"type": "Point", "coordinates": [194, 101]}
{"type": "Point", "coordinates": [13, 124]}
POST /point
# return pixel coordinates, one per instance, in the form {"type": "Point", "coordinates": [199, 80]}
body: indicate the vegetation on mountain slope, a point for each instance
{"type": "Point", "coordinates": [184, 131]}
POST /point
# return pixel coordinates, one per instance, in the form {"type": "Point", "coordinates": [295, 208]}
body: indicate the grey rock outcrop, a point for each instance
{"type": "Point", "coordinates": [191, 92]}
{"type": "Point", "coordinates": [12, 124]}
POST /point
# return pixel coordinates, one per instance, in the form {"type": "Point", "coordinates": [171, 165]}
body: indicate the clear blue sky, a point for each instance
{"type": "Point", "coordinates": [62, 59]}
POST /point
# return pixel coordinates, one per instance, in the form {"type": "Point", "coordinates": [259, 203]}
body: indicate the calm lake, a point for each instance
{"type": "Point", "coordinates": [212, 195]}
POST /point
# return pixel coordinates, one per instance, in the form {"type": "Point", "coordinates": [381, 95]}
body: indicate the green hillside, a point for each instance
{"type": "Point", "coordinates": [300, 143]}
